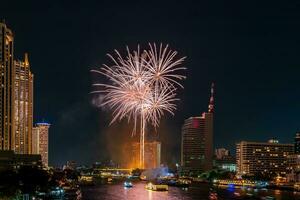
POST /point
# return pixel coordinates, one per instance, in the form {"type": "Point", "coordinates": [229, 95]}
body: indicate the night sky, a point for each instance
{"type": "Point", "coordinates": [251, 50]}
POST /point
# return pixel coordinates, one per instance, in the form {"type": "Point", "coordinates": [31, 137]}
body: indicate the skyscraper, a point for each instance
{"type": "Point", "coordinates": [6, 92]}
{"type": "Point", "coordinates": [197, 140]}
{"type": "Point", "coordinates": [23, 106]}
{"type": "Point", "coordinates": [42, 135]}
{"type": "Point", "coordinates": [16, 97]}
{"type": "Point", "coordinates": [152, 155]}
{"type": "Point", "coordinates": [297, 144]}
{"type": "Point", "coordinates": [35, 140]}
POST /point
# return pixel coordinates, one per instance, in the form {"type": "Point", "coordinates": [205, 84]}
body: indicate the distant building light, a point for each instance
{"type": "Point", "coordinates": [273, 141]}
{"type": "Point", "coordinates": [43, 124]}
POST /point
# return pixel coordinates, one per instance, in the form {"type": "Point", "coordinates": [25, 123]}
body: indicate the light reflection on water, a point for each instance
{"type": "Point", "coordinates": [138, 192]}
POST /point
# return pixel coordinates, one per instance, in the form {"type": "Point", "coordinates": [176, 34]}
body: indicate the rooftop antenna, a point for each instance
{"type": "Point", "coordinates": [211, 100]}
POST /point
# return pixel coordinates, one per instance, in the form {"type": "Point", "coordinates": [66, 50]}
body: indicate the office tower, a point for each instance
{"type": "Point", "coordinates": [23, 107]}
{"type": "Point", "coordinates": [43, 146]}
{"type": "Point", "coordinates": [132, 155]}
{"type": "Point", "coordinates": [262, 157]}
{"type": "Point", "coordinates": [197, 141]}
{"type": "Point", "coordinates": [152, 155]}
{"type": "Point", "coordinates": [35, 140]}
{"type": "Point", "coordinates": [297, 144]}
{"type": "Point", "coordinates": [16, 97]}
{"type": "Point", "coordinates": [6, 92]}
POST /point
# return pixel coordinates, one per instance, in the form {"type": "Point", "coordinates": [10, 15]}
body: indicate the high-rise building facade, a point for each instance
{"type": "Point", "coordinates": [262, 157]}
{"type": "Point", "coordinates": [16, 97]}
{"type": "Point", "coordinates": [152, 155]}
{"type": "Point", "coordinates": [23, 107]}
{"type": "Point", "coordinates": [197, 141]}
{"type": "Point", "coordinates": [6, 92]}
{"type": "Point", "coordinates": [42, 135]}
{"type": "Point", "coordinates": [35, 140]}
{"type": "Point", "coordinates": [297, 143]}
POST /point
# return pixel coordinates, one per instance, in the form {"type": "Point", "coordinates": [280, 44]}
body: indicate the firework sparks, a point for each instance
{"type": "Point", "coordinates": [141, 85]}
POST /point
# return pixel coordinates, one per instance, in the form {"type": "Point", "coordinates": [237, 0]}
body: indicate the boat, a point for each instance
{"type": "Point", "coordinates": [128, 184]}
{"type": "Point", "coordinates": [268, 198]}
{"type": "Point", "coordinates": [297, 186]}
{"type": "Point", "coordinates": [237, 194]}
{"type": "Point", "coordinates": [86, 180]}
{"type": "Point", "coordinates": [183, 182]}
{"type": "Point", "coordinates": [242, 183]}
{"type": "Point", "coordinates": [156, 187]}
{"type": "Point", "coordinates": [109, 180]}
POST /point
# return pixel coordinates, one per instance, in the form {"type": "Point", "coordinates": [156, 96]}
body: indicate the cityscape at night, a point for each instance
{"type": "Point", "coordinates": [146, 100]}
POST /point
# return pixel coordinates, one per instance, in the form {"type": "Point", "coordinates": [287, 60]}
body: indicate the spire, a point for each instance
{"type": "Point", "coordinates": [26, 61]}
{"type": "Point", "coordinates": [211, 100]}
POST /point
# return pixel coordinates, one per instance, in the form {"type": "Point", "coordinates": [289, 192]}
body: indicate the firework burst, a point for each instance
{"type": "Point", "coordinates": [141, 86]}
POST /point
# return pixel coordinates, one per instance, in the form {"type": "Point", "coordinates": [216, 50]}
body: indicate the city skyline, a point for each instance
{"type": "Point", "coordinates": [253, 61]}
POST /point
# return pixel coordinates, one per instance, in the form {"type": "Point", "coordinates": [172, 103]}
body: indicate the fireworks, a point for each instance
{"type": "Point", "coordinates": [142, 85]}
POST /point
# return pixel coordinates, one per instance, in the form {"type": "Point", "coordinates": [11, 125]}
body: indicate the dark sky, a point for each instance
{"type": "Point", "coordinates": [250, 49]}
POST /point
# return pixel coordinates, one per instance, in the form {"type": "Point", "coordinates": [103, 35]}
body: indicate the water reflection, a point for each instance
{"type": "Point", "coordinates": [138, 192]}
{"type": "Point", "coordinates": [150, 195]}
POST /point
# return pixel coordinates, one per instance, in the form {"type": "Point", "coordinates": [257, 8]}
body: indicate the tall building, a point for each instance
{"type": "Point", "coordinates": [16, 97]}
{"type": "Point", "coordinates": [23, 106]}
{"type": "Point", "coordinates": [41, 135]}
{"type": "Point", "coordinates": [35, 140]}
{"type": "Point", "coordinates": [265, 157]}
{"type": "Point", "coordinates": [297, 143]}
{"type": "Point", "coordinates": [152, 155]}
{"type": "Point", "coordinates": [197, 140]}
{"type": "Point", "coordinates": [6, 92]}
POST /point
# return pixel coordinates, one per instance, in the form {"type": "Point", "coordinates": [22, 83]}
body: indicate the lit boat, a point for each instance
{"type": "Point", "coordinates": [297, 186]}
{"type": "Point", "coordinates": [178, 182]}
{"type": "Point", "coordinates": [156, 187]}
{"type": "Point", "coordinates": [268, 198]}
{"type": "Point", "coordinates": [242, 183]}
{"type": "Point", "coordinates": [237, 194]}
{"type": "Point", "coordinates": [183, 182]}
{"type": "Point", "coordinates": [128, 184]}
{"type": "Point", "coordinates": [109, 180]}
{"type": "Point", "coordinates": [86, 180]}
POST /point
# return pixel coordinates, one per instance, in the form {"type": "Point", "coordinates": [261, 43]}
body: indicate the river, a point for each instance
{"type": "Point", "coordinates": [138, 192]}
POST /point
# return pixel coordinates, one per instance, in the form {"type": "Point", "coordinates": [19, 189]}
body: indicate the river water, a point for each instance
{"type": "Point", "coordinates": [138, 192]}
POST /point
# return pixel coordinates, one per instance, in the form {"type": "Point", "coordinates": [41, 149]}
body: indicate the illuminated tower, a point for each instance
{"type": "Point", "coordinates": [43, 139]}
{"type": "Point", "coordinates": [131, 154]}
{"type": "Point", "coordinates": [23, 106]}
{"type": "Point", "coordinates": [6, 92]}
{"type": "Point", "coordinates": [35, 140]}
{"type": "Point", "coordinates": [152, 154]}
{"type": "Point", "coordinates": [197, 140]}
